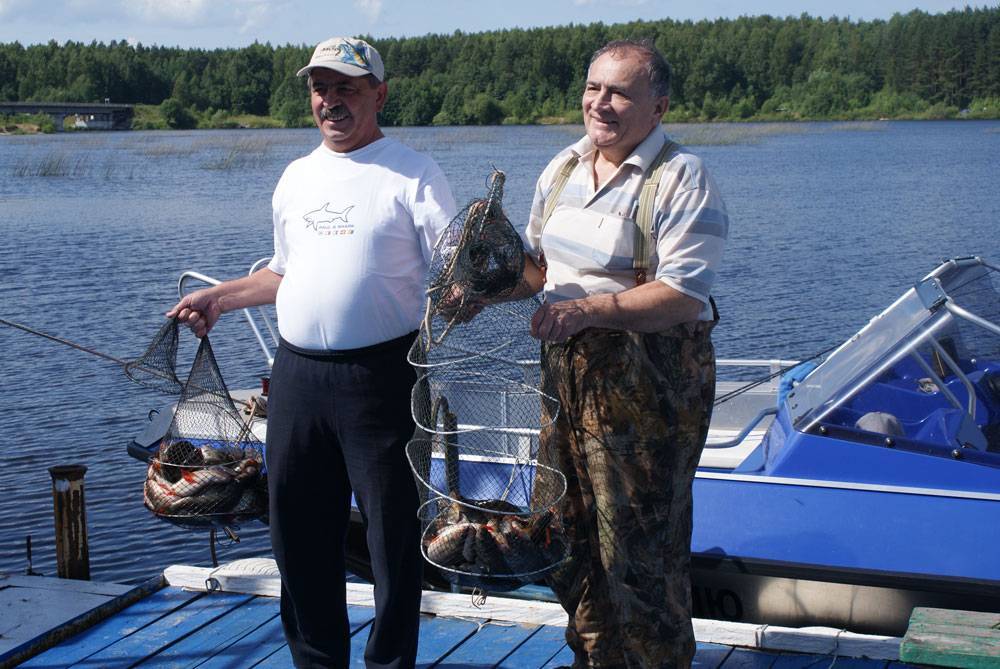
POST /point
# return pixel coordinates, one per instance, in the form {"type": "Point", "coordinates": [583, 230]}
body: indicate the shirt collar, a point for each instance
{"type": "Point", "coordinates": [642, 156]}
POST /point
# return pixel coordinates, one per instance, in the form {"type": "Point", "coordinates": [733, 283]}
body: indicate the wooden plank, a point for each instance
{"type": "Point", "coordinates": [167, 630]}
{"type": "Point", "coordinates": [924, 614]}
{"type": "Point", "coordinates": [258, 578]}
{"type": "Point", "coordinates": [491, 643]}
{"type": "Point", "coordinates": [539, 648]}
{"type": "Point", "coordinates": [710, 656]}
{"type": "Point", "coordinates": [124, 623]}
{"type": "Point", "coordinates": [796, 661]}
{"type": "Point", "coordinates": [358, 618]}
{"type": "Point", "coordinates": [828, 641]}
{"type": "Point", "coordinates": [741, 658]}
{"type": "Point", "coordinates": [251, 649]}
{"type": "Point", "coordinates": [973, 634]}
{"type": "Point", "coordinates": [64, 585]}
{"type": "Point", "coordinates": [938, 649]}
{"type": "Point", "coordinates": [438, 637]}
{"type": "Point", "coordinates": [216, 636]}
{"type": "Point", "coordinates": [563, 658]}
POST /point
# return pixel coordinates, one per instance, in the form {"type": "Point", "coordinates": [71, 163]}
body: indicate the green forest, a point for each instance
{"type": "Point", "coordinates": [916, 65]}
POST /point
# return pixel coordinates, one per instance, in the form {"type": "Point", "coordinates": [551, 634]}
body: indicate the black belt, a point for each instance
{"type": "Point", "coordinates": [403, 342]}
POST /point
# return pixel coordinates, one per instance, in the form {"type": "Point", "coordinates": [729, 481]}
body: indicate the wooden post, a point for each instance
{"type": "Point", "coordinates": [72, 553]}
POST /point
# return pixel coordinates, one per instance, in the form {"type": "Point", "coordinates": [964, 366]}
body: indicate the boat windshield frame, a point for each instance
{"type": "Point", "coordinates": [910, 322]}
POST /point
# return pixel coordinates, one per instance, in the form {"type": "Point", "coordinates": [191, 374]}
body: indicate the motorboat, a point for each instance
{"type": "Point", "coordinates": [841, 491]}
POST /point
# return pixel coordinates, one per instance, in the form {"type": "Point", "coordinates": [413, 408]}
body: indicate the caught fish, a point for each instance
{"type": "Point", "coordinates": [194, 481]}
{"type": "Point", "coordinates": [488, 556]}
{"type": "Point", "coordinates": [447, 547]}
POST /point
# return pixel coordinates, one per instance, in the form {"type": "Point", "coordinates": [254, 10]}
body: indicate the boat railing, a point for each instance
{"type": "Point", "coordinates": [267, 345]}
{"type": "Point", "coordinates": [518, 441]}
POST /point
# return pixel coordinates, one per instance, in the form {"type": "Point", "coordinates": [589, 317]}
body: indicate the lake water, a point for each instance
{"type": "Point", "coordinates": [830, 222]}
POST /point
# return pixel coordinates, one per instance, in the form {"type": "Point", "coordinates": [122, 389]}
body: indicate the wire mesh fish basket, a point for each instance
{"type": "Point", "coordinates": [490, 514]}
{"type": "Point", "coordinates": [208, 470]}
{"type": "Point", "coordinates": [491, 508]}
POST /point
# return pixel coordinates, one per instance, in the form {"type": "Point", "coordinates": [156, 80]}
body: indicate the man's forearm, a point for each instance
{"type": "Point", "coordinates": [259, 288]}
{"type": "Point", "coordinates": [651, 307]}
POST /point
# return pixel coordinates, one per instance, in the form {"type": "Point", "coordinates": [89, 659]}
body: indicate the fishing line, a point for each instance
{"type": "Point", "coordinates": [65, 342]}
{"type": "Point", "coordinates": [764, 379]}
{"type": "Point", "coordinates": [124, 364]}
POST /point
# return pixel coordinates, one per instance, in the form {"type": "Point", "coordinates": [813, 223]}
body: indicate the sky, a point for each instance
{"type": "Point", "coordinates": [234, 23]}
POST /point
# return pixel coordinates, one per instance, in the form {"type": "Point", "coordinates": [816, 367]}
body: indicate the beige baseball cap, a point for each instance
{"type": "Point", "coordinates": [348, 55]}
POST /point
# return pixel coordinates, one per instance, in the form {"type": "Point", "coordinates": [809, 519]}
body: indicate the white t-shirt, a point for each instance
{"type": "Point", "coordinates": [353, 236]}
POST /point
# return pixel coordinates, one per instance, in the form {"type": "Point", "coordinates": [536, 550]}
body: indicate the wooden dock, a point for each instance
{"type": "Point", "coordinates": [228, 617]}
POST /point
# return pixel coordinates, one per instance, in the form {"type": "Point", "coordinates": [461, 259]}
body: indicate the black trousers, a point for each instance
{"type": "Point", "coordinates": [338, 423]}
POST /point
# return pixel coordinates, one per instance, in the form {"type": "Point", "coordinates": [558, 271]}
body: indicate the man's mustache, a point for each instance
{"type": "Point", "coordinates": [331, 113]}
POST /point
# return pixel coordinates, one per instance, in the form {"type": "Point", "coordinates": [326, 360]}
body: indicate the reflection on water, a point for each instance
{"type": "Point", "coordinates": [829, 223]}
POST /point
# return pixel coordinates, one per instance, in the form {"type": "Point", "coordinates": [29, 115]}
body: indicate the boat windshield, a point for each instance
{"type": "Point", "coordinates": [949, 321]}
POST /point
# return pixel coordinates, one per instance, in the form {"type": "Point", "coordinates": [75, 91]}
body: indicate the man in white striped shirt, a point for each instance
{"type": "Point", "coordinates": [630, 359]}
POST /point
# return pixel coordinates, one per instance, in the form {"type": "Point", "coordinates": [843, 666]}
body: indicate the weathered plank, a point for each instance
{"type": "Point", "coordinates": [959, 651]}
{"type": "Point", "coordinates": [63, 585]}
{"type": "Point", "coordinates": [216, 636]}
{"type": "Point", "coordinates": [710, 656]}
{"type": "Point", "coordinates": [563, 658]}
{"type": "Point", "coordinates": [795, 661]}
{"type": "Point", "coordinates": [742, 658]}
{"type": "Point", "coordinates": [261, 643]}
{"type": "Point", "coordinates": [112, 630]}
{"type": "Point", "coordinates": [167, 630]}
{"type": "Point", "coordinates": [539, 648]}
{"type": "Point", "coordinates": [31, 606]}
{"type": "Point", "coordinates": [926, 614]}
{"type": "Point", "coordinates": [952, 638]}
{"type": "Point", "coordinates": [358, 618]}
{"type": "Point", "coordinates": [438, 638]}
{"type": "Point", "coordinates": [492, 643]}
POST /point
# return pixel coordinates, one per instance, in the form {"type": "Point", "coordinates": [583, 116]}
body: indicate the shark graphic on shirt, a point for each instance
{"type": "Point", "coordinates": [325, 216]}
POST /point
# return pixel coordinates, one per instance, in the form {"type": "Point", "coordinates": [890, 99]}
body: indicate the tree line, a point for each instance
{"type": "Point", "coordinates": [763, 67]}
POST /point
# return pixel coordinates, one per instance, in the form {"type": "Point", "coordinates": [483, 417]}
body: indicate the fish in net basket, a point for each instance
{"type": "Point", "coordinates": [490, 514]}
{"type": "Point", "coordinates": [477, 263]}
{"type": "Point", "coordinates": [490, 508]}
{"type": "Point", "coordinates": [208, 470]}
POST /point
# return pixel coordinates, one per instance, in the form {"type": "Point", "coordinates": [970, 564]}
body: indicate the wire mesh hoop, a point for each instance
{"type": "Point", "coordinates": [468, 473]}
{"type": "Point", "coordinates": [156, 368]}
{"type": "Point", "coordinates": [207, 485]}
{"type": "Point", "coordinates": [483, 400]}
{"type": "Point", "coordinates": [490, 519]}
{"type": "Point", "coordinates": [498, 553]}
{"type": "Point", "coordinates": [497, 334]}
{"type": "Point", "coordinates": [209, 468]}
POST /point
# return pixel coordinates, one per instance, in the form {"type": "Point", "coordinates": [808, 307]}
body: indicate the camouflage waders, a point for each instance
{"type": "Point", "coordinates": [634, 419]}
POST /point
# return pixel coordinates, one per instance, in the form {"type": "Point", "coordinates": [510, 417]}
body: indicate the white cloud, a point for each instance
{"type": "Point", "coordinates": [372, 9]}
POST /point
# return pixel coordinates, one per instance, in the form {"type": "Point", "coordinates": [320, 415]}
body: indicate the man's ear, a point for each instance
{"type": "Point", "coordinates": [662, 105]}
{"type": "Point", "coordinates": [381, 96]}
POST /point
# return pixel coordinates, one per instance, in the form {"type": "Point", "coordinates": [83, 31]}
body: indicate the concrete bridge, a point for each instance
{"type": "Point", "coordinates": [94, 116]}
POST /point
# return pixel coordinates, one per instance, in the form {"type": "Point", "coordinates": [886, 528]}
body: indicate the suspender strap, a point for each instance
{"type": "Point", "coordinates": [643, 242]}
{"type": "Point", "coordinates": [644, 215]}
{"type": "Point", "coordinates": [557, 187]}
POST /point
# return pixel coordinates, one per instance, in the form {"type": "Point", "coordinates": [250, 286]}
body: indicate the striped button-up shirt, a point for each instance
{"type": "Point", "coordinates": [588, 241]}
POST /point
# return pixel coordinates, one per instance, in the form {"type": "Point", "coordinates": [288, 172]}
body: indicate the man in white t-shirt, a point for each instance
{"type": "Point", "coordinates": [355, 222]}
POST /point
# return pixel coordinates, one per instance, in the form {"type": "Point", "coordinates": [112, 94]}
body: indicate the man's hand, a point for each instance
{"type": "Point", "coordinates": [455, 306]}
{"type": "Point", "coordinates": [199, 310]}
{"type": "Point", "coordinates": [560, 320]}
